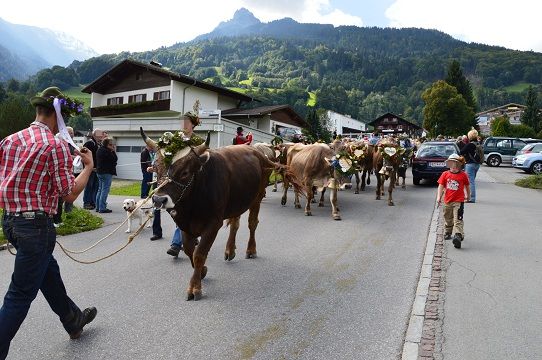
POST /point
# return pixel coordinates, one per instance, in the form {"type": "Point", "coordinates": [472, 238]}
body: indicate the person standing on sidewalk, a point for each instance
{"type": "Point", "coordinates": [105, 169]}
{"type": "Point", "coordinates": [472, 156]}
{"type": "Point", "coordinates": [146, 159]}
{"type": "Point", "coordinates": [35, 170]}
{"type": "Point", "coordinates": [454, 185]}
{"type": "Point", "coordinates": [89, 197]}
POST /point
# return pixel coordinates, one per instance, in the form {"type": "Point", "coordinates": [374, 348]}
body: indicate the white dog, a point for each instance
{"type": "Point", "coordinates": [146, 210]}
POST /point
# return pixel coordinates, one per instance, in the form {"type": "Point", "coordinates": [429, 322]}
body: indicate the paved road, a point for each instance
{"type": "Point", "coordinates": [320, 289]}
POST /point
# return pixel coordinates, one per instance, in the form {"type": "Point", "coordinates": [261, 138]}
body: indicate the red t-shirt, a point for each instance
{"type": "Point", "coordinates": [454, 185]}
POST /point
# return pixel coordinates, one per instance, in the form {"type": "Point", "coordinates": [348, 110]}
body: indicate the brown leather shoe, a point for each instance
{"type": "Point", "coordinates": [88, 315]}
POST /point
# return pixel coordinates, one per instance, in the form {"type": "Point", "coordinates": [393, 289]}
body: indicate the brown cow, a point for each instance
{"type": "Point", "coordinates": [205, 187]}
{"type": "Point", "coordinates": [311, 164]}
{"type": "Point", "coordinates": [386, 163]}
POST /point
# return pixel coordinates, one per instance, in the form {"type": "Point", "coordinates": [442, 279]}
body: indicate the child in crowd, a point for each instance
{"type": "Point", "coordinates": [454, 185]}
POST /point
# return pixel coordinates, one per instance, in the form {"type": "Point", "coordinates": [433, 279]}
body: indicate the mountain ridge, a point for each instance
{"type": "Point", "coordinates": [30, 49]}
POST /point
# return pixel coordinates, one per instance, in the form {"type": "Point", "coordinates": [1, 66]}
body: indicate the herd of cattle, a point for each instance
{"type": "Point", "coordinates": [207, 186]}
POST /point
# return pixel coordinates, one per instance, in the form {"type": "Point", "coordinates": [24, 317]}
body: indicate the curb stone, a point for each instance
{"type": "Point", "coordinates": [419, 339]}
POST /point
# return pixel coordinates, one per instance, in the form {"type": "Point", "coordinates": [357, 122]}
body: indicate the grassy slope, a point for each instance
{"type": "Point", "coordinates": [75, 92]}
{"type": "Point", "coordinates": [517, 87]}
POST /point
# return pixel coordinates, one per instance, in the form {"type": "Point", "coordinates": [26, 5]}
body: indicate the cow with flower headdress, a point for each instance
{"type": "Point", "coordinates": [201, 187]}
{"type": "Point", "coordinates": [386, 162]}
{"type": "Point", "coordinates": [317, 166]}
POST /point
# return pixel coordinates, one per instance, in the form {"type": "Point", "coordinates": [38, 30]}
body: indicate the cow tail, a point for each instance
{"type": "Point", "coordinates": [285, 172]}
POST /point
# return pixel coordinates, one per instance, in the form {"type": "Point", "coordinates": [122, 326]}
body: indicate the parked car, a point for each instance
{"type": "Point", "coordinates": [529, 162]}
{"type": "Point", "coordinates": [290, 134]}
{"type": "Point", "coordinates": [430, 160]}
{"type": "Point", "coordinates": [499, 150]}
{"type": "Point", "coordinates": [530, 148]}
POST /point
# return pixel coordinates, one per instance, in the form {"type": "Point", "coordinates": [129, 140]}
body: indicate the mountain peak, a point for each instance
{"type": "Point", "coordinates": [245, 17]}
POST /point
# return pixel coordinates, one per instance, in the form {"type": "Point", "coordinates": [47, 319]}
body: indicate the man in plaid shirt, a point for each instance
{"type": "Point", "coordinates": [35, 170]}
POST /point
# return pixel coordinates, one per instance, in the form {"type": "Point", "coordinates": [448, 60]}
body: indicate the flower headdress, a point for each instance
{"type": "Point", "coordinates": [172, 143]}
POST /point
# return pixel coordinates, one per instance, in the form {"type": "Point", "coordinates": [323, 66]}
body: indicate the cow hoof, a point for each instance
{"type": "Point", "coordinates": [336, 217]}
{"type": "Point", "coordinates": [320, 204]}
{"type": "Point", "coordinates": [274, 190]}
{"type": "Point", "coordinates": [390, 203]}
{"type": "Point", "coordinates": [203, 272]}
{"type": "Point", "coordinates": [251, 256]}
{"type": "Point", "coordinates": [189, 296]}
{"type": "Point", "coordinates": [197, 296]}
{"type": "Point", "coordinates": [378, 198]}
{"type": "Point", "coordinates": [308, 213]}
{"type": "Point", "coordinates": [297, 206]}
{"type": "Point", "coordinates": [229, 257]}
{"type": "Point", "coordinates": [356, 192]}
{"type": "Point", "coordinates": [283, 202]}
{"type": "Point", "coordinates": [313, 201]}
{"type": "Point", "coordinates": [403, 187]}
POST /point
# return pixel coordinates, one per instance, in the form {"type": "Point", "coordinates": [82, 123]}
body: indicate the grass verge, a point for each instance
{"type": "Point", "coordinates": [531, 182]}
{"type": "Point", "coordinates": [74, 222]}
{"type": "Point", "coordinates": [125, 188]}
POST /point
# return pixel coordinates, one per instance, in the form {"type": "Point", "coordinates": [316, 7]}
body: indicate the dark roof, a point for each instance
{"type": "Point", "coordinates": [287, 112]}
{"type": "Point", "coordinates": [126, 66]}
{"type": "Point", "coordinates": [372, 123]}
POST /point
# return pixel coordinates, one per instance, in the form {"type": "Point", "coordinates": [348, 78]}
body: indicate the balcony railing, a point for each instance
{"type": "Point", "coordinates": [131, 108]}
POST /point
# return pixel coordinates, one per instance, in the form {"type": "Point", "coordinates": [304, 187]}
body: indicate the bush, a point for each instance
{"type": "Point", "coordinates": [531, 182]}
{"type": "Point", "coordinates": [523, 131]}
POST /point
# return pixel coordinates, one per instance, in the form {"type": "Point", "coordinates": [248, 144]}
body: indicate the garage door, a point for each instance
{"type": "Point", "coordinates": [129, 152]}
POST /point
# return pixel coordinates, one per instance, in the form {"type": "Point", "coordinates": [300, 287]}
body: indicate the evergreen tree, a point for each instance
{"type": "Point", "coordinates": [3, 94]}
{"type": "Point", "coordinates": [456, 78]}
{"type": "Point", "coordinates": [531, 117]}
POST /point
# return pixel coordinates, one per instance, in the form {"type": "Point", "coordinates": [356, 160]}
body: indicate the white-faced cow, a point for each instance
{"type": "Point", "coordinates": [386, 163]}
{"type": "Point", "coordinates": [205, 187]}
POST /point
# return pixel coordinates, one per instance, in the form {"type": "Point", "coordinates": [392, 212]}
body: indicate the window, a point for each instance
{"type": "Point", "coordinates": [518, 144]}
{"type": "Point", "coordinates": [490, 143]}
{"type": "Point", "coordinates": [115, 100]}
{"type": "Point", "coordinates": [137, 98]}
{"type": "Point", "coordinates": [506, 143]}
{"type": "Point", "coordinates": [123, 149]}
{"type": "Point", "coordinates": [161, 95]}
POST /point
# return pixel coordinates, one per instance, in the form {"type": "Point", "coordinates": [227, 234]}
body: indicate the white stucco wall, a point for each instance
{"type": "Point", "coordinates": [338, 122]}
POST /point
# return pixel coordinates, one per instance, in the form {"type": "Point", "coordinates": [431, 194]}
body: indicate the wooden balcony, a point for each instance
{"type": "Point", "coordinates": [131, 108]}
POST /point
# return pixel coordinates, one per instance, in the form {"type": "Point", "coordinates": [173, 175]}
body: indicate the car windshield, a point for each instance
{"type": "Point", "coordinates": [436, 150]}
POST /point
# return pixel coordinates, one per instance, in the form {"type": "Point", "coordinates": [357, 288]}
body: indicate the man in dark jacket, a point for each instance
{"type": "Point", "coordinates": [146, 160]}
{"type": "Point", "coordinates": [106, 168]}
{"type": "Point", "coordinates": [91, 190]}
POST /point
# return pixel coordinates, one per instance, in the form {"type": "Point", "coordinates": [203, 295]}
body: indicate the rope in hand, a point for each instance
{"type": "Point", "coordinates": [68, 252]}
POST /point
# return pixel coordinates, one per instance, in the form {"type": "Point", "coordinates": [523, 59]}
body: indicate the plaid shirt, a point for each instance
{"type": "Point", "coordinates": [35, 169]}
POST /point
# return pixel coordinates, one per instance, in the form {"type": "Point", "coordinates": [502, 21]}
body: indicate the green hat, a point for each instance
{"type": "Point", "coordinates": [42, 99]}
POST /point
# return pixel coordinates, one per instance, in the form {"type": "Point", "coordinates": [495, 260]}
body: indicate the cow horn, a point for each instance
{"type": "Point", "coordinates": [200, 149]}
{"type": "Point", "coordinates": [148, 140]}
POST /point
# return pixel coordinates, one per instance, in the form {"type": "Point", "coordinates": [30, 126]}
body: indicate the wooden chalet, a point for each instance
{"type": "Point", "coordinates": [390, 123]}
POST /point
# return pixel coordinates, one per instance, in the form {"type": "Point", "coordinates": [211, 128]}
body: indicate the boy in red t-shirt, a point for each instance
{"type": "Point", "coordinates": [454, 184]}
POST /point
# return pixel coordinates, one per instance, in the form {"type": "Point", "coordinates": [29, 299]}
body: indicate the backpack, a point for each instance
{"type": "Point", "coordinates": [479, 154]}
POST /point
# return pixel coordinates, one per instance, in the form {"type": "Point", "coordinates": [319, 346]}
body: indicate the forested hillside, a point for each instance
{"type": "Point", "coordinates": [363, 72]}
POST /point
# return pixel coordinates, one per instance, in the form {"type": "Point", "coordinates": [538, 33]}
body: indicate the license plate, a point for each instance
{"type": "Point", "coordinates": [437, 164]}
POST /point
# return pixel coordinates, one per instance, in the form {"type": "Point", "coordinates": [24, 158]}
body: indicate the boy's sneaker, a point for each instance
{"type": "Point", "coordinates": [457, 241]}
{"type": "Point", "coordinates": [447, 236]}
{"type": "Point", "coordinates": [174, 250]}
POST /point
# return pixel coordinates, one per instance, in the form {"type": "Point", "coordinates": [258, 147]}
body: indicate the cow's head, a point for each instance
{"type": "Point", "coordinates": [178, 162]}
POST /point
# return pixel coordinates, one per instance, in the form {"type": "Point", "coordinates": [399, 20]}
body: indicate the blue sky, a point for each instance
{"type": "Point", "coordinates": [111, 26]}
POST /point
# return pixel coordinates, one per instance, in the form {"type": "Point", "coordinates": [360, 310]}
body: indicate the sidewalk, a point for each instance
{"type": "Point", "coordinates": [492, 285]}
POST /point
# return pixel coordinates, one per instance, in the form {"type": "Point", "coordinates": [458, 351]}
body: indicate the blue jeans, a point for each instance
{"type": "Point", "coordinates": [91, 189]}
{"type": "Point", "coordinates": [104, 185]}
{"type": "Point", "coordinates": [35, 269]}
{"type": "Point", "coordinates": [177, 239]}
{"type": "Point", "coordinates": [472, 169]}
{"type": "Point", "coordinates": [145, 187]}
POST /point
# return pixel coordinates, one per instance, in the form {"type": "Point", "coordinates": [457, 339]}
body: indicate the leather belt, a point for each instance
{"type": "Point", "coordinates": [31, 215]}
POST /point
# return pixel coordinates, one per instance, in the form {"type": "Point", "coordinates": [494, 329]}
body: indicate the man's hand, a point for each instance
{"type": "Point", "coordinates": [86, 157]}
{"type": "Point", "coordinates": [150, 169]}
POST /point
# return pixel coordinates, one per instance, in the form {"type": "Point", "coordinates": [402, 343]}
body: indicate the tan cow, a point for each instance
{"type": "Point", "coordinates": [311, 164]}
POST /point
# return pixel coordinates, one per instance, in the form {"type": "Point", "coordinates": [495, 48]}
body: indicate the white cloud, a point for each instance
{"type": "Point", "coordinates": [512, 24]}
